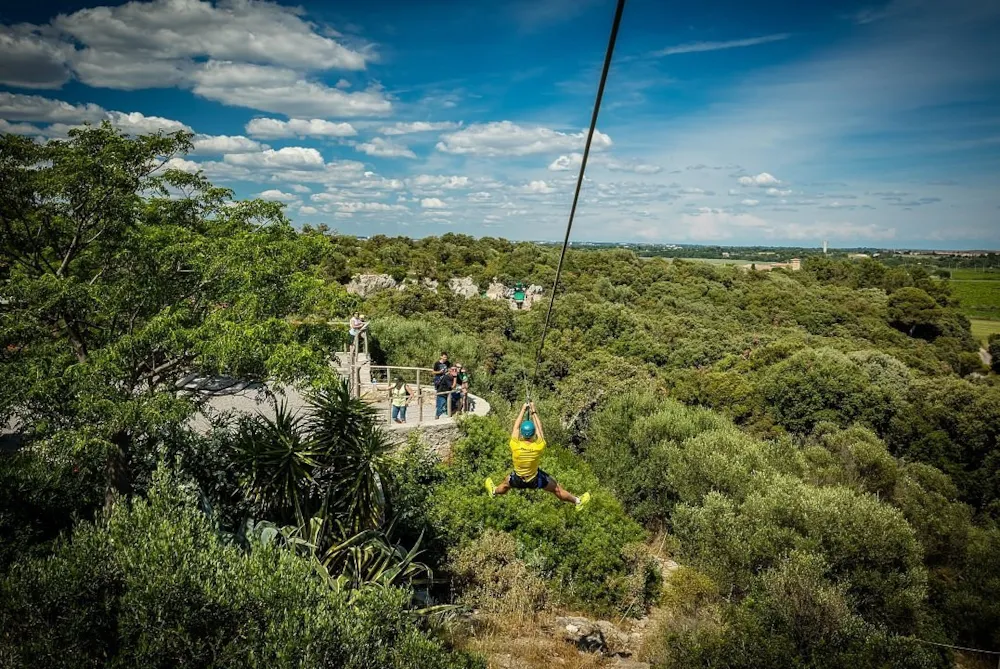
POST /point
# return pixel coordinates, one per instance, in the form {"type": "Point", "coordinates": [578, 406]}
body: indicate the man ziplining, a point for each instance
{"type": "Point", "coordinates": [527, 441]}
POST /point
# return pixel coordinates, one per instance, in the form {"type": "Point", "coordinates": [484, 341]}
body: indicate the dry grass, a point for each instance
{"type": "Point", "coordinates": [974, 661]}
{"type": "Point", "coordinates": [514, 622]}
{"type": "Point", "coordinates": [519, 643]}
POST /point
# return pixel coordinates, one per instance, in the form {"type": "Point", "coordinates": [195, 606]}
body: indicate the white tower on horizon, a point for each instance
{"type": "Point", "coordinates": [824, 247]}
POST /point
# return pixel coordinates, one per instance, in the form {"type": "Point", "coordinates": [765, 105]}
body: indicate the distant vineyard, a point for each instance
{"type": "Point", "coordinates": [979, 292]}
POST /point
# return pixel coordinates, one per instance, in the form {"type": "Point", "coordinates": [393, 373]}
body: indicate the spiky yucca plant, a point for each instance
{"type": "Point", "coordinates": [331, 462]}
{"type": "Point", "coordinates": [279, 459]}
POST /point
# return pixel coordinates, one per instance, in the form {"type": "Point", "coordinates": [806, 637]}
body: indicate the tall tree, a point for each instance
{"type": "Point", "coordinates": [123, 275]}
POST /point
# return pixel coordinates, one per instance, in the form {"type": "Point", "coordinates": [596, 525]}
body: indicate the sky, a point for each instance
{"type": "Point", "coordinates": [766, 123]}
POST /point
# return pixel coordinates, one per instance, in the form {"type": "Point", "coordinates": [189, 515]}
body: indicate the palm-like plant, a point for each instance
{"type": "Point", "coordinates": [336, 417]}
{"type": "Point", "coordinates": [355, 453]}
{"type": "Point", "coordinates": [331, 463]}
{"type": "Point", "coordinates": [280, 460]}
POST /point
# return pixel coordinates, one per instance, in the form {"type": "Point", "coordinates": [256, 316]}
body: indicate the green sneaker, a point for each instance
{"type": "Point", "coordinates": [584, 498]}
{"type": "Point", "coordinates": [490, 488]}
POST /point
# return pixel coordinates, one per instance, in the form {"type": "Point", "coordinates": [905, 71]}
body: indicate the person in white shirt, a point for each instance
{"type": "Point", "coordinates": [359, 330]}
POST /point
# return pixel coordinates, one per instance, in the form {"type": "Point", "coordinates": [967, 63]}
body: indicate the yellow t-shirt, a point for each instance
{"type": "Point", "coordinates": [526, 455]}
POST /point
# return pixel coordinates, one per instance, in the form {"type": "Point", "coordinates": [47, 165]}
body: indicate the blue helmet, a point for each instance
{"type": "Point", "coordinates": [527, 429]}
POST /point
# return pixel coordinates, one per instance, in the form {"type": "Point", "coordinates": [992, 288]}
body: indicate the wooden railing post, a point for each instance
{"type": "Point", "coordinates": [420, 401]}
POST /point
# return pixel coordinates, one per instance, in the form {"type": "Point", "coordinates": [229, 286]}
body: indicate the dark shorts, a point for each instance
{"type": "Point", "coordinates": [540, 481]}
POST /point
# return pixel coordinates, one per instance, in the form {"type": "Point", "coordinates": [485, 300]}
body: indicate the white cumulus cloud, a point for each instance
{"type": "Point", "coordinates": [384, 148]}
{"type": "Point", "coordinates": [750, 203]}
{"type": "Point", "coordinates": [138, 124]}
{"type": "Point", "coordinates": [282, 91]}
{"type": "Point", "coordinates": [762, 179]}
{"type": "Point", "coordinates": [418, 126]}
{"type": "Point", "coordinates": [353, 207]}
{"type": "Point", "coordinates": [29, 60]}
{"type": "Point", "coordinates": [275, 195]}
{"type": "Point", "coordinates": [183, 165]}
{"type": "Point", "coordinates": [504, 138]}
{"type": "Point", "coordinates": [432, 203]}
{"type": "Point", "coordinates": [63, 116]}
{"type": "Point", "coordinates": [308, 211]}
{"type": "Point", "coordinates": [272, 128]}
{"type": "Point", "coordinates": [26, 129]}
{"type": "Point", "coordinates": [16, 107]}
{"type": "Point", "coordinates": [162, 43]}
{"type": "Point", "coordinates": [572, 162]}
{"type": "Point", "coordinates": [290, 157]}
{"type": "Point", "coordinates": [222, 144]}
{"type": "Point", "coordinates": [539, 187]}
{"type": "Point", "coordinates": [238, 30]}
{"type": "Point", "coordinates": [432, 181]}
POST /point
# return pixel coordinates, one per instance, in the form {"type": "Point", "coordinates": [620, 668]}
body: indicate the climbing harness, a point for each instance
{"type": "Point", "coordinates": [579, 179]}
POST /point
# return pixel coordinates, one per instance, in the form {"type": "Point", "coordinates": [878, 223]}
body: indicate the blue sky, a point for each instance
{"type": "Point", "coordinates": [724, 122]}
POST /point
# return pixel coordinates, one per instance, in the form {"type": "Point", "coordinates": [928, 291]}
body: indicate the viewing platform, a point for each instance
{"type": "Point", "coordinates": [369, 383]}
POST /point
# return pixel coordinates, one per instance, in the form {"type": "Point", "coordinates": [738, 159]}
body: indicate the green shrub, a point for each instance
{"type": "Point", "coordinates": [43, 489]}
{"type": "Point", "coordinates": [628, 447]}
{"type": "Point", "coordinates": [727, 461]}
{"type": "Point", "coordinates": [154, 586]}
{"type": "Point", "coordinates": [494, 580]}
{"type": "Point", "coordinates": [419, 342]}
{"type": "Point", "coordinates": [862, 459]}
{"type": "Point", "coordinates": [733, 541]}
{"type": "Point", "coordinates": [994, 350]}
{"type": "Point", "coordinates": [586, 557]}
{"type": "Point", "coordinates": [816, 385]}
{"type": "Point", "coordinates": [794, 616]}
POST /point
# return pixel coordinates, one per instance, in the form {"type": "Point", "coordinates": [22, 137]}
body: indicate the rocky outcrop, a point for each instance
{"type": "Point", "coordinates": [498, 291]}
{"type": "Point", "coordinates": [532, 295]}
{"type": "Point", "coordinates": [666, 565]}
{"type": "Point", "coordinates": [438, 438]}
{"type": "Point", "coordinates": [364, 285]}
{"type": "Point", "coordinates": [429, 284]}
{"type": "Point", "coordinates": [596, 636]}
{"type": "Point", "coordinates": [464, 287]}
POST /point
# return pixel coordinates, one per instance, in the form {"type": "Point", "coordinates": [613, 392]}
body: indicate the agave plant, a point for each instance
{"type": "Point", "coordinates": [371, 558]}
{"type": "Point", "coordinates": [368, 558]}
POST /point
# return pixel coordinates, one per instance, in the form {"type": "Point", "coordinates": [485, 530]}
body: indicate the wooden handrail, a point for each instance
{"type": "Point", "coordinates": [421, 369]}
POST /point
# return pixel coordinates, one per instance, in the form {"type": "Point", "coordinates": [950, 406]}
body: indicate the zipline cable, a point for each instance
{"type": "Point", "coordinates": [579, 179]}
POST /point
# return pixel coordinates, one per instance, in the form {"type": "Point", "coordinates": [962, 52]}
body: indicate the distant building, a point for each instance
{"type": "Point", "coordinates": [857, 256]}
{"type": "Point", "coordinates": [795, 264]}
{"type": "Point", "coordinates": [725, 254]}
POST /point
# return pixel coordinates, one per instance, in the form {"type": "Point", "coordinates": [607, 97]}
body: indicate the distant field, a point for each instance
{"type": "Point", "coordinates": [982, 329]}
{"type": "Point", "coordinates": [975, 275]}
{"type": "Point", "coordinates": [712, 261]}
{"type": "Point", "coordinates": [979, 292]}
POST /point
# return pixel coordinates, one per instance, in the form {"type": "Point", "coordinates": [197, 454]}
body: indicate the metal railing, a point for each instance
{"type": "Point", "coordinates": [381, 380]}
